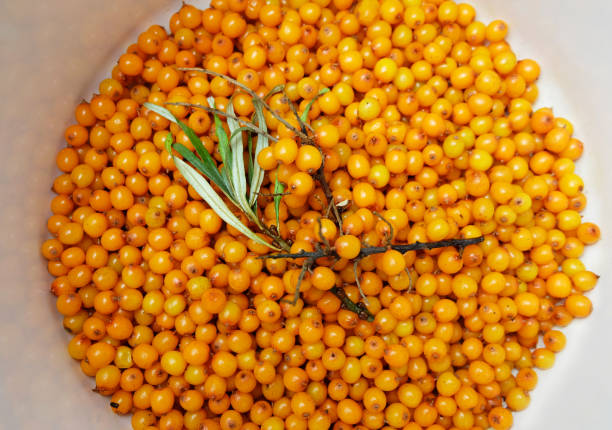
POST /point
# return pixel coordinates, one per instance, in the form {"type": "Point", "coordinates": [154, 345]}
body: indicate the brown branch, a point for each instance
{"type": "Point", "coordinates": [364, 252]}
{"type": "Point", "coordinates": [388, 236]}
{"type": "Point", "coordinates": [323, 238]}
{"type": "Point", "coordinates": [361, 311]}
{"type": "Point", "coordinates": [360, 308]}
{"type": "Point", "coordinates": [303, 125]}
{"type": "Point", "coordinates": [274, 234]}
{"type": "Point", "coordinates": [273, 194]}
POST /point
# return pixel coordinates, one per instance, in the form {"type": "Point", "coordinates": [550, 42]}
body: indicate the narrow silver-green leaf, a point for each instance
{"type": "Point", "coordinates": [204, 189]}
{"type": "Point", "coordinates": [250, 157]}
{"type": "Point", "coordinates": [278, 195]}
{"type": "Point", "coordinates": [209, 168]}
{"type": "Point", "coordinates": [196, 142]}
{"type": "Point", "coordinates": [197, 163]}
{"type": "Point", "coordinates": [223, 145]}
{"type": "Point", "coordinates": [262, 142]}
{"type": "Point", "coordinates": [161, 111]}
{"type": "Point", "coordinates": [238, 173]}
{"type": "Point", "coordinates": [304, 116]}
{"type": "Point", "coordinates": [238, 131]}
{"type": "Point", "coordinates": [193, 137]}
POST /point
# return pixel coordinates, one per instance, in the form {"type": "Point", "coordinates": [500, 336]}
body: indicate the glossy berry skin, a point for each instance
{"type": "Point", "coordinates": [347, 246]}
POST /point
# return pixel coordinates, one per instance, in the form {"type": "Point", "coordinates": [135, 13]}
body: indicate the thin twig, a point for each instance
{"type": "Point", "coordinates": [364, 252]}
{"type": "Point", "coordinates": [336, 258]}
{"type": "Point", "coordinates": [272, 194]}
{"type": "Point", "coordinates": [296, 295]}
{"type": "Point", "coordinates": [275, 236]}
{"type": "Point", "coordinates": [389, 236]}
{"type": "Point", "coordinates": [309, 105]}
{"type": "Point", "coordinates": [276, 89]}
{"type": "Point", "coordinates": [320, 176]}
{"type": "Point", "coordinates": [409, 279]}
{"type": "Point", "coordinates": [323, 238]}
{"type": "Point", "coordinates": [363, 296]}
{"type": "Point", "coordinates": [249, 92]}
{"type": "Point", "coordinates": [318, 198]}
{"type": "Point", "coordinates": [247, 124]}
{"type": "Point", "coordinates": [328, 210]}
{"type": "Point", "coordinates": [361, 311]}
{"type": "Point", "coordinates": [303, 125]}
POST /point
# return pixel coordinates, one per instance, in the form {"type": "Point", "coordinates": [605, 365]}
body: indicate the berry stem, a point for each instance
{"type": "Point", "coordinates": [320, 176]}
{"type": "Point", "coordinates": [417, 246]}
{"type": "Point", "coordinates": [305, 267]}
{"type": "Point", "coordinates": [249, 92]}
{"type": "Point", "coordinates": [359, 309]}
{"type": "Point", "coordinates": [246, 124]}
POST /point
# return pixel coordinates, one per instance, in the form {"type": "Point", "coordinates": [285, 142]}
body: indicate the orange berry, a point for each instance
{"type": "Point", "coordinates": [347, 246]}
{"type": "Point", "coordinates": [392, 262]}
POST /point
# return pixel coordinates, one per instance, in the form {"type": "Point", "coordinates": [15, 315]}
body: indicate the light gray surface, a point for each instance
{"type": "Point", "coordinates": [53, 54]}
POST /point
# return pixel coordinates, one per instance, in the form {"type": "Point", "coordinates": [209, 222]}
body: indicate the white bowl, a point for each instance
{"type": "Point", "coordinates": [55, 53]}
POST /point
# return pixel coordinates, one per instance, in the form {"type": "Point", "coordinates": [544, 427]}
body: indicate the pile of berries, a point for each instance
{"type": "Point", "coordinates": [428, 123]}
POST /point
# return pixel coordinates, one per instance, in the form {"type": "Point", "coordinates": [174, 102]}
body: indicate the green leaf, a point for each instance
{"type": "Point", "coordinates": [193, 137]}
{"type": "Point", "coordinates": [223, 145]}
{"type": "Point", "coordinates": [209, 168]}
{"type": "Point", "coordinates": [204, 189]}
{"type": "Point", "coordinates": [161, 111]}
{"type": "Point", "coordinates": [262, 142]}
{"type": "Point", "coordinates": [197, 163]}
{"type": "Point", "coordinates": [168, 143]}
{"type": "Point", "coordinates": [196, 142]}
{"type": "Point", "coordinates": [238, 173]}
{"type": "Point", "coordinates": [304, 116]}
{"type": "Point", "coordinates": [278, 191]}
{"type": "Point", "coordinates": [250, 157]}
{"type": "Point", "coordinates": [189, 156]}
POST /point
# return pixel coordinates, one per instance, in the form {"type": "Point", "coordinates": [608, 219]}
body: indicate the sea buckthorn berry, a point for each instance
{"type": "Point", "coordinates": [309, 158]}
{"type": "Point", "coordinates": [369, 108]}
{"type": "Point", "coordinates": [285, 150]}
{"type": "Point", "coordinates": [347, 246]}
{"type": "Point", "coordinates": [554, 340]}
{"type": "Point", "coordinates": [463, 286]}
{"type": "Point", "coordinates": [500, 418]}
{"type": "Point", "coordinates": [379, 176]}
{"type": "Point", "coordinates": [327, 136]}
{"type": "Point", "coordinates": [70, 233]}
{"type": "Point", "coordinates": [364, 195]}
{"type": "Point", "coordinates": [578, 305]}
{"type": "Point", "coordinates": [392, 262]}
{"type": "Point", "coordinates": [300, 183]}
{"type": "Point", "coordinates": [385, 70]}
{"type": "Point", "coordinates": [323, 278]}
{"type": "Point", "coordinates": [358, 166]}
